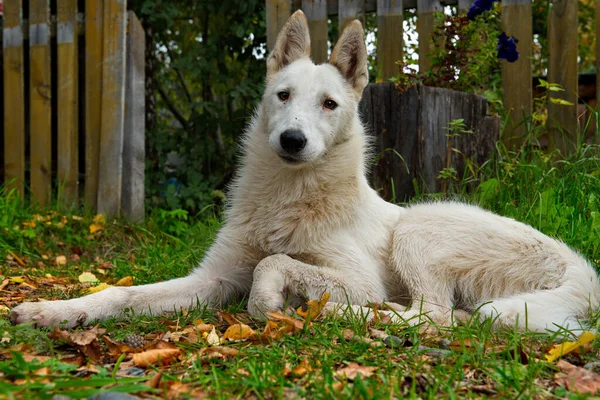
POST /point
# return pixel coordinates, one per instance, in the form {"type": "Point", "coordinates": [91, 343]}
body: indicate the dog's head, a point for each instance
{"type": "Point", "coordinates": [310, 108]}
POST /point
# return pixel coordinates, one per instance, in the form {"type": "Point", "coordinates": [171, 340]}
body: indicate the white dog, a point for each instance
{"type": "Point", "coordinates": [302, 220]}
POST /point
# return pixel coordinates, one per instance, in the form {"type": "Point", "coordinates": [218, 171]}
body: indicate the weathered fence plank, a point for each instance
{"type": "Point", "coordinates": [412, 137]}
{"type": "Point", "coordinates": [425, 25]}
{"type": "Point", "coordinates": [278, 11]}
{"type": "Point", "coordinates": [597, 51]}
{"type": "Point", "coordinates": [349, 10]}
{"type": "Point", "coordinates": [93, 96]}
{"type": "Point", "coordinates": [40, 96]}
{"type": "Point", "coordinates": [517, 83]}
{"type": "Point", "coordinates": [14, 113]}
{"type": "Point", "coordinates": [464, 5]}
{"type": "Point", "coordinates": [113, 107]}
{"type": "Point", "coordinates": [562, 69]}
{"type": "Point", "coordinates": [316, 14]}
{"type": "Point", "coordinates": [389, 37]}
{"type": "Point", "coordinates": [68, 152]}
{"type": "Point", "coordinates": [132, 200]}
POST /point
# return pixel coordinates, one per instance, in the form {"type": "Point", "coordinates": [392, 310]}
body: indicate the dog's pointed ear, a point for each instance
{"type": "Point", "coordinates": [293, 42]}
{"type": "Point", "coordinates": [349, 56]}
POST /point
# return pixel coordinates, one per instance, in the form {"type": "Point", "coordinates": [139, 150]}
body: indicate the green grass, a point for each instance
{"type": "Point", "coordinates": [559, 196]}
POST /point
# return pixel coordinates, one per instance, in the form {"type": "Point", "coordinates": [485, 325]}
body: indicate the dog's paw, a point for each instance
{"type": "Point", "coordinates": [48, 313]}
{"type": "Point", "coordinates": [259, 306]}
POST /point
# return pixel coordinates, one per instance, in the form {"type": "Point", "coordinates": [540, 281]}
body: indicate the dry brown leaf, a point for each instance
{"type": "Point", "coordinates": [577, 379]}
{"type": "Point", "coordinates": [239, 332]}
{"type": "Point", "coordinates": [155, 356]}
{"type": "Point", "coordinates": [86, 337]}
{"type": "Point", "coordinates": [297, 324]}
{"type": "Point", "coordinates": [229, 318]}
{"type": "Point", "coordinates": [116, 349]}
{"type": "Point", "coordinates": [60, 260]}
{"type": "Point", "coordinates": [154, 381]}
{"type": "Point", "coordinates": [302, 368]}
{"type": "Point", "coordinates": [352, 370]}
{"type": "Point", "coordinates": [314, 307]}
{"type": "Point", "coordinates": [86, 342]}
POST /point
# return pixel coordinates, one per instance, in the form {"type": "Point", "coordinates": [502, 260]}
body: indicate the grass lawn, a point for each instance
{"type": "Point", "coordinates": [45, 253]}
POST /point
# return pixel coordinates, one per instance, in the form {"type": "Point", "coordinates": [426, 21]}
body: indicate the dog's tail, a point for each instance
{"type": "Point", "coordinates": [551, 309]}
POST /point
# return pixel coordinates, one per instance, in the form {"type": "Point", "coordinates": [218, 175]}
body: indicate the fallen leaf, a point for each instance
{"type": "Point", "coordinates": [229, 318]}
{"type": "Point", "coordinates": [302, 368]}
{"type": "Point", "coordinates": [116, 349]}
{"type": "Point", "coordinates": [297, 324]}
{"type": "Point", "coordinates": [239, 332]}
{"type": "Point", "coordinates": [352, 370]}
{"type": "Point", "coordinates": [86, 341]}
{"type": "Point", "coordinates": [155, 356]}
{"type": "Point", "coordinates": [98, 224]}
{"type": "Point", "coordinates": [314, 307]}
{"type": "Point", "coordinates": [127, 281]}
{"type": "Point", "coordinates": [88, 277]}
{"type": "Point", "coordinates": [98, 288]}
{"type": "Point", "coordinates": [577, 379]}
{"type": "Point", "coordinates": [567, 347]}
{"type": "Point", "coordinates": [60, 260]}
{"type": "Point", "coordinates": [213, 338]}
{"type": "Point", "coordinates": [16, 279]}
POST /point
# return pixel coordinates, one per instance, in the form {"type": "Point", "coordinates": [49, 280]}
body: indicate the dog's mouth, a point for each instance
{"type": "Point", "coordinates": [289, 159]}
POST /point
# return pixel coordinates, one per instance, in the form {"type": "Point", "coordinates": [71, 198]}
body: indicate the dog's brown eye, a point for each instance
{"type": "Point", "coordinates": [330, 104]}
{"type": "Point", "coordinates": [283, 96]}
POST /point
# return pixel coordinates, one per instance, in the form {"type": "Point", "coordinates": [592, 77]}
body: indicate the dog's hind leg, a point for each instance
{"type": "Point", "coordinates": [222, 274]}
{"type": "Point", "coordinates": [279, 276]}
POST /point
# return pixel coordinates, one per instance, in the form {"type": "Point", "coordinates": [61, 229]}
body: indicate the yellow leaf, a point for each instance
{"type": "Point", "coordinates": [239, 332]}
{"type": "Point", "coordinates": [16, 279]}
{"type": "Point", "coordinates": [154, 356]}
{"type": "Point", "coordinates": [88, 277]}
{"type": "Point", "coordinates": [76, 218]}
{"type": "Point", "coordinates": [560, 350]}
{"type": "Point", "coordinates": [98, 225]}
{"type": "Point", "coordinates": [127, 281]}
{"type": "Point", "coordinates": [314, 307]}
{"type": "Point", "coordinates": [98, 288]}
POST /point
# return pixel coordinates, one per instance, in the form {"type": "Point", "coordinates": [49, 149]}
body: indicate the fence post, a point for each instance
{"type": "Point", "coordinates": [349, 10]}
{"type": "Point", "coordinates": [68, 155]}
{"type": "Point", "coordinates": [40, 114]}
{"type": "Point", "coordinates": [389, 38]}
{"type": "Point", "coordinates": [93, 96]}
{"type": "Point", "coordinates": [113, 107]}
{"type": "Point", "coordinates": [562, 69]}
{"type": "Point", "coordinates": [278, 11]}
{"type": "Point", "coordinates": [316, 14]}
{"type": "Point", "coordinates": [516, 77]}
{"type": "Point", "coordinates": [597, 52]}
{"type": "Point", "coordinates": [464, 5]}
{"type": "Point", "coordinates": [425, 24]}
{"type": "Point", "coordinates": [14, 118]}
{"type": "Point", "coordinates": [132, 200]}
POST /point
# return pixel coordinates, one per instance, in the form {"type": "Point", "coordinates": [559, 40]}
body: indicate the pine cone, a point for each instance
{"type": "Point", "coordinates": [134, 341]}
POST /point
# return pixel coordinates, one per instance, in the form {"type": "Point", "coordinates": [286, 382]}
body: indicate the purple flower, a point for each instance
{"type": "Point", "coordinates": [479, 7]}
{"type": "Point", "coordinates": [507, 48]}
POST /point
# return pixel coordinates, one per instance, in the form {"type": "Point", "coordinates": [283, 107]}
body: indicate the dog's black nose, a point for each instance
{"type": "Point", "coordinates": [292, 141]}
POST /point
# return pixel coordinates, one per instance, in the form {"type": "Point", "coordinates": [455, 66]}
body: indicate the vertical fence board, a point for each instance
{"type": "Point", "coordinates": [597, 52]}
{"type": "Point", "coordinates": [349, 10]}
{"type": "Point", "coordinates": [389, 37]}
{"type": "Point", "coordinates": [562, 69]}
{"type": "Point", "coordinates": [113, 107]}
{"type": "Point", "coordinates": [14, 117]}
{"type": "Point", "coordinates": [93, 96]}
{"type": "Point", "coordinates": [316, 14]}
{"type": "Point", "coordinates": [40, 114]}
{"type": "Point", "coordinates": [278, 11]}
{"type": "Point", "coordinates": [425, 24]}
{"type": "Point", "coordinates": [132, 201]}
{"type": "Point", "coordinates": [516, 77]}
{"type": "Point", "coordinates": [67, 167]}
{"type": "Point", "coordinates": [464, 5]}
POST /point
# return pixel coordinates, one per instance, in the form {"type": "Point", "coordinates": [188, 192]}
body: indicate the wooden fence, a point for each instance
{"type": "Point", "coordinates": [73, 103]}
{"type": "Point", "coordinates": [516, 21]}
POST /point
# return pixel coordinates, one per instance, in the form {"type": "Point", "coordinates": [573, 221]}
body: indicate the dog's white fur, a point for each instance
{"type": "Point", "coordinates": [302, 228]}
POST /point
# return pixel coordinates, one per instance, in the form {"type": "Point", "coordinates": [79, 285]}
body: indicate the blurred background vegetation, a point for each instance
{"type": "Point", "coordinates": [205, 74]}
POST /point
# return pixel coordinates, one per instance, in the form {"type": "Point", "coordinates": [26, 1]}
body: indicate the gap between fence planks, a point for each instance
{"type": "Point", "coordinates": [40, 98]}
{"type": "Point", "coordinates": [14, 80]}
{"type": "Point", "coordinates": [68, 152]}
{"type": "Point", "coordinates": [516, 77]}
{"type": "Point", "coordinates": [562, 69]}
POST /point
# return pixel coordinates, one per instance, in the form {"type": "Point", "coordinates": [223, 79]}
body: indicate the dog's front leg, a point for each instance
{"type": "Point", "coordinates": [222, 274]}
{"type": "Point", "coordinates": [279, 278]}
